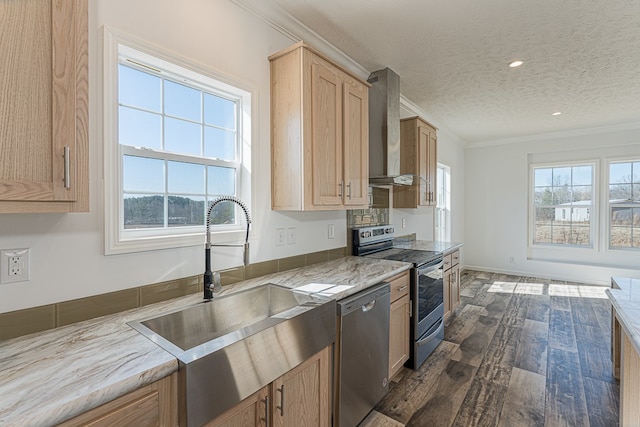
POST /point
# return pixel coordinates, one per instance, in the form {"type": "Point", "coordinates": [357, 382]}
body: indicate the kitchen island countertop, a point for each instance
{"type": "Point", "coordinates": [626, 303]}
{"type": "Point", "coordinates": [52, 376]}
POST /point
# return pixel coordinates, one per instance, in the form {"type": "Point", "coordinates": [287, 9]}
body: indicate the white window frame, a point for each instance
{"type": "Point", "coordinates": [443, 211]}
{"type": "Point", "coordinates": [593, 219]}
{"type": "Point", "coordinates": [117, 239]}
{"type": "Point", "coordinates": [607, 210]}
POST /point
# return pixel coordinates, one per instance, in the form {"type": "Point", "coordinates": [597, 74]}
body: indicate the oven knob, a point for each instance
{"type": "Point", "coordinates": [365, 234]}
{"type": "Point", "coordinates": [388, 230]}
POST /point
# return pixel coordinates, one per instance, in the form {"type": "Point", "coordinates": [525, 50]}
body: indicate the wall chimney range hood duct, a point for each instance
{"type": "Point", "coordinates": [384, 129]}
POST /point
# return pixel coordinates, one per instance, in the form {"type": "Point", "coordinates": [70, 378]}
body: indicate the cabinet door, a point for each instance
{"type": "Point", "coordinates": [432, 167]}
{"type": "Point", "coordinates": [43, 106]}
{"type": "Point", "coordinates": [151, 406]}
{"type": "Point", "coordinates": [423, 152]}
{"type": "Point", "coordinates": [454, 290]}
{"type": "Point", "coordinates": [356, 144]}
{"type": "Point", "coordinates": [446, 280]}
{"type": "Point", "coordinates": [326, 135]}
{"type": "Point", "coordinates": [399, 334]}
{"type": "Point", "coordinates": [301, 396]}
{"type": "Point", "coordinates": [253, 411]}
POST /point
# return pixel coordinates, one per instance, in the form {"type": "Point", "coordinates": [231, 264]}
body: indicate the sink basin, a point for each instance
{"type": "Point", "coordinates": [232, 346]}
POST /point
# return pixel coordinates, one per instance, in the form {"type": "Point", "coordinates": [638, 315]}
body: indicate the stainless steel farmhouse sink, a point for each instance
{"type": "Point", "coordinates": [230, 347]}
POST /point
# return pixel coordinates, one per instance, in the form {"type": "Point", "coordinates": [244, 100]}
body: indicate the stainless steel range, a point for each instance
{"type": "Point", "coordinates": [427, 286]}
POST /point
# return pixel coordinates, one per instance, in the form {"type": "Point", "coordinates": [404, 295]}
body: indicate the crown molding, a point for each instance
{"type": "Point", "coordinates": [415, 109]}
{"type": "Point", "coordinates": [557, 135]}
{"type": "Point", "coordinates": [281, 21]}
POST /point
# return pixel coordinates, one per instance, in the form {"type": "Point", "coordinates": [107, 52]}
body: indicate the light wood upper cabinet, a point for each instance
{"type": "Point", "coordinates": [418, 156]}
{"type": "Point", "coordinates": [319, 133]}
{"type": "Point", "coordinates": [43, 106]}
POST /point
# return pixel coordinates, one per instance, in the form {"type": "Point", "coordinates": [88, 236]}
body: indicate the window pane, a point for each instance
{"type": "Point", "coordinates": [185, 178]}
{"type": "Point", "coordinates": [620, 237]}
{"type": "Point", "coordinates": [543, 196]}
{"type": "Point", "coordinates": [561, 234]}
{"type": "Point", "coordinates": [619, 192]}
{"type": "Point", "coordinates": [139, 128]}
{"type": "Point", "coordinates": [182, 137]}
{"type": "Point", "coordinates": [185, 211]}
{"type": "Point", "coordinates": [223, 213]}
{"type": "Point", "coordinates": [143, 211]}
{"type": "Point", "coordinates": [561, 195]}
{"type": "Point", "coordinates": [561, 176]}
{"type": "Point", "coordinates": [621, 216]}
{"type": "Point", "coordinates": [219, 112]}
{"type": "Point", "coordinates": [580, 235]}
{"type": "Point", "coordinates": [619, 173]}
{"type": "Point", "coordinates": [636, 172]}
{"type": "Point", "coordinates": [141, 174]}
{"type": "Point", "coordinates": [138, 89]}
{"type": "Point", "coordinates": [635, 190]}
{"type": "Point", "coordinates": [219, 144]}
{"type": "Point", "coordinates": [182, 101]}
{"type": "Point", "coordinates": [543, 221]}
{"type": "Point", "coordinates": [542, 177]}
{"type": "Point", "coordinates": [581, 175]}
{"type": "Point", "coordinates": [581, 193]}
{"type": "Point", "coordinates": [221, 181]}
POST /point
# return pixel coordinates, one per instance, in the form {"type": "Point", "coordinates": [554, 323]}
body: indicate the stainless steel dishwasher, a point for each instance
{"type": "Point", "coordinates": [363, 322]}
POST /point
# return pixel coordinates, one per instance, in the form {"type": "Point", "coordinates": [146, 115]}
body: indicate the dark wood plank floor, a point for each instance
{"type": "Point", "coordinates": [518, 351]}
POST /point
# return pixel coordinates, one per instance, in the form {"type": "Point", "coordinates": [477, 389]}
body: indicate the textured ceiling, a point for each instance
{"type": "Point", "coordinates": [582, 57]}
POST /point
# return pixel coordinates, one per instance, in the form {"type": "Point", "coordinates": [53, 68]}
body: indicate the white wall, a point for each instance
{"type": "Point", "coordinates": [67, 251]}
{"type": "Point", "coordinates": [496, 202]}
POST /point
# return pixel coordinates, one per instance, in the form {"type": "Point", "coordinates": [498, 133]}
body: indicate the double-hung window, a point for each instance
{"type": "Point", "coordinates": [176, 142]}
{"type": "Point", "coordinates": [624, 204]}
{"type": "Point", "coordinates": [563, 205]}
{"type": "Point", "coordinates": [443, 208]}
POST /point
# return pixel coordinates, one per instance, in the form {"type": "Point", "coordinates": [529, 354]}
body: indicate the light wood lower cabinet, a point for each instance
{"type": "Point", "coordinates": [629, 384]}
{"type": "Point", "coordinates": [155, 405]}
{"type": "Point", "coordinates": [301, 398]}
{"type": "Point", "coordinates": [451, 279]}
{"type": "Point", "coordinates": [399, 323]}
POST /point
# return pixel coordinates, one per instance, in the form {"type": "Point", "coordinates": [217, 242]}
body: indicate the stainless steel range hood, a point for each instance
{"type": "Point", "coordinates": [384, 129]}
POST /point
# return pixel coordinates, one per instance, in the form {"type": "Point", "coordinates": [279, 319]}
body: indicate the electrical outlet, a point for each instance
{"type": "Point", "coordinates": [404, 223]}
{"type": "Point", "coordinates": [331, 231]}
{"type": "Point", "coordinates": [291, 236]}
{"type": "Point", "coordinates": [280, 237]}
{"type": "Point", "coordinates": [14, 265]}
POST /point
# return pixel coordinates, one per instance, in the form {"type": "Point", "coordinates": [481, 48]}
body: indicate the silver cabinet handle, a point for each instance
{"type": "Point", "coordinates": [402, 288]}
{"type": "Point", "coordinates": [340, 189]}
{"type": "Point", "coordinates": [266, 410]}
{"type": "Point", "coordinates": [281, 407]}
{"type": "Point", "coordinates": [349, 192]}
{"type": "Point", "coordinates": [67, 159]}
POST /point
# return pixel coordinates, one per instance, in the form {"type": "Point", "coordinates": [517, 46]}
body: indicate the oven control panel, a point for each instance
{"type": "Point", "coordinates": [378, 233]}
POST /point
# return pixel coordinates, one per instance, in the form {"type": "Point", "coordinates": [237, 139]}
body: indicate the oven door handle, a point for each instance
{"type": "Point", "coordinates": [426, 339]}
{"type": "Point", "coordinates": [429, 268]}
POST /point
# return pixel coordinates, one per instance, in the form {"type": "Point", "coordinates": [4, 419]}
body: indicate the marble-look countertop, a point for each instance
{"type": "Point", "coordinates": [427, 245]}
{"type": "Point", "coordinates": [626, 302]}
{"type": "Point", "coordinates": [52, 376]}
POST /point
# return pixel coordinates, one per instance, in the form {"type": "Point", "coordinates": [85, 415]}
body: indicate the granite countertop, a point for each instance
{"type": "Point", "coordinates": [52, 376]}
{"type": "Point", "coordinates": [626, 302]}
{"type": "Point", "coordinates": [427, 245]}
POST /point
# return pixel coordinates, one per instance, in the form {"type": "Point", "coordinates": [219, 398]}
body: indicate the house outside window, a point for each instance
{"type": "Point", "coordinates": [624, 204]}
{"type": "Point", "coordinates": [562, 199]}
{"type": "Point", "coordinates": [176, 141]}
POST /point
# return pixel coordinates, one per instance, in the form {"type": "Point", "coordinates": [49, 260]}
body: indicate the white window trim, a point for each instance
{"type": "Point", "coordinates": [606, 209]}
{"type": "Point", "coordinates": [446, 208]}
{"type": "Point", "coordinates": [114, 241]}
{"type": "Point", "coordinates": [545, 250]}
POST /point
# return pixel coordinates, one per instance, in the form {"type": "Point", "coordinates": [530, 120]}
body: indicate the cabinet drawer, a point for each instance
{"type": "Point", "coordinates": [455, 258]}
{"type": "Point", "coordinates": [399, 286]}
{"type": "Point", "coordinates": [447, 262]}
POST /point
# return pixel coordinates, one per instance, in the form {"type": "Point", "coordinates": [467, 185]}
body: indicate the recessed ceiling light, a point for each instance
{"type": "Point", "coordinates": [557, 113]}
{"type": "Point", "coordinates": [515, 64]}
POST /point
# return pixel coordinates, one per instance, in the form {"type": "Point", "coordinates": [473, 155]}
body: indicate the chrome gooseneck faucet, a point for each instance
{"type": "Point", "coordinates": [211, 280]}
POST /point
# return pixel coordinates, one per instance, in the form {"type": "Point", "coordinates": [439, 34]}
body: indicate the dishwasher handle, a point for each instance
{"type": "Point", "coordinates": [368, 306]}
